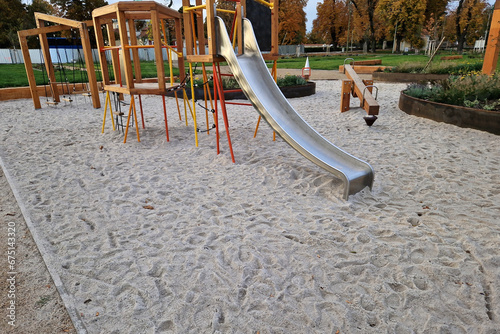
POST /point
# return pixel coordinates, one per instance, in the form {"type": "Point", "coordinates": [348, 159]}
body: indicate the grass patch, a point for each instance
{"type": "Point", "coordinates": [14, 75]}
{"type": "Point", "coordinates": [474, 91]}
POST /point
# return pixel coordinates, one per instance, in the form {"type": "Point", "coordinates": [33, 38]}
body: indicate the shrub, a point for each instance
{"type": "Point", "coordinates": [231, 83]}
{"type": "Point", "coordinates": [474, 91]}
{"type": "Point", "coordinates": [461, 68]}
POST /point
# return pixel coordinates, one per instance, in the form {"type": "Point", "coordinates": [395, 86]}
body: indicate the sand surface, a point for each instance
{"type": "Point", "coordinates": [157, 237]}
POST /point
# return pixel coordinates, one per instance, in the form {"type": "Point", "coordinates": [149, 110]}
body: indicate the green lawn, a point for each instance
{"type": "Point", "coordinates": [15, 75]}
{"type": "Point", "coordinates": [333, 62]}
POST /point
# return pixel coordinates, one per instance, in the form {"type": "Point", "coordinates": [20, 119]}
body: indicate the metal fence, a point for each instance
{"type": "Point", "coordinates": [63, 55]}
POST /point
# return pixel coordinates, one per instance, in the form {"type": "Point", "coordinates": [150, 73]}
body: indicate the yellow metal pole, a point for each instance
{"type": "Point", "coordinates": [128, 121]}
{"type": "Point", "coordinates": [108, 99]}
{"type": "Point", "coordinates": [132, 102]}
{"type": "Point", "coordinates": [234, 33]}
{"type": "Point", "coordinates": [105, 110]}
{"type": "Point", "coordinates": [194, 103]}
{"type": "Point", "coordinates": [187, 9]}
{"type": "Point", "coordinates": [184, 97]}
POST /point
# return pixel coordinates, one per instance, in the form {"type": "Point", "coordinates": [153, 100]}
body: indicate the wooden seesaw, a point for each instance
{"type": "Point", "coordinates": [362, 89]}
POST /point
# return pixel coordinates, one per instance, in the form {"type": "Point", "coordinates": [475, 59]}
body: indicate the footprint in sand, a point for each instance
{"type": "Point", "coordinates": [417, 256]}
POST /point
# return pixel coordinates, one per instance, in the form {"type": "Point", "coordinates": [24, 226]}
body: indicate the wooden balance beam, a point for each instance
{"type": "Point", "coordinates": [358, 88]}
{"type": "Point", "coordinates": [364, 69]}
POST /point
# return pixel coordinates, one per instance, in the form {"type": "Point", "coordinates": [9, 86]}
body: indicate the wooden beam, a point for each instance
{"type": "Point", "coordinates": [274, 27]}
{"type": "Point", "coordinates": [89, 64]}
{"type": "Point", "coordinates": [361, 69]}
{"type": "Point", "coordinates": [368, 62]}
{"type": "Point", "coordinates": [160, 69]}
{"type": "Point", "coordinates": [345, 98]}
{"type": "Point", "coordinates": [29, 71]}
{"type": "Point", "coordinates": [211, 40]}
{"type": "Point", "coordinates": [188, 33]}
{"type": "Point", "coordinates": [135, 15]}
{"type": "Point", "coordinates": [137, 6]}
{"type": "Point", "coordinates": [102, 54]}
{"type": "Point", "coordinates": [367, 101]}
{"type": "Point", "coordinates": [135, 52]}
{"type": "Point", "coordinates": [493, 47]}
{"type": "Point", "coordinates": [44, 45]}
{"type": "Point", "coordinates": [204, 59]}
{"type": "Point", "coordinates": [178, 41]}
{"type": "Point", "coordinates": [122, 27]}
{"type": "Point", "coordinates": [201, 32]}
{"type": "Point", "coordinates": [104, 10]}
{"type": "Point", "coordinates": [115, 58]}
{"type": "Point", "coordinates": [57, 20]}
{"type": "Point", "coordinates": [239, 30]}
{"type": "Point", "coordinates": [44, 30]}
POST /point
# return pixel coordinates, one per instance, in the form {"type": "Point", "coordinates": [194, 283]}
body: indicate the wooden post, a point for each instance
{"type": "Point", "coordinates": [160, 69]}
{"type": "Point", "coordinates": [274, 28]}
{"type": "Point", "coordinates": [89, 61]}
{"type": "Point", "coordinates": [29, 70]}
{"type": "Point", "coordinates": [212, 47]}
{"type": "Point", "coordinates": [493, 47]}
{"type": "Point", "coordinates": [122, 27]}
{"type": "Point", "coordinates": [44, 44]}
{"type": "Point", "coordinates": [188, 34]}
{"type": "Point", "coordinates": [102, 54]}
{"type": "Point", "coordinates": [345, 99]}
{"type": "Point", "coordinates": [178, 41]}
{"type": "Point", "coordinates": [135, 52]}
{"type": "Point", "coordinates": [115, 58]}
{"type": "Point", "coordinates": [239, 30]}
{"type": "Point", "coordinates": [201, 30]}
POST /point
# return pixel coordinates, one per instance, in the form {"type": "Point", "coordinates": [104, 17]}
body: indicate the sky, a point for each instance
{"type": "Point", "coordinates": [310, 8]}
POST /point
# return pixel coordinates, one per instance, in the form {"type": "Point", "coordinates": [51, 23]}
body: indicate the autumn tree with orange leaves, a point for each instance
{"type": "Point", "coordinates": [292, 21]}
{"type": "Point", "coordinates": [468, 21]}
{"type": "Point", "coordinates": [331, 24]}
{"type": "Point", "coordinates": [405, 20]}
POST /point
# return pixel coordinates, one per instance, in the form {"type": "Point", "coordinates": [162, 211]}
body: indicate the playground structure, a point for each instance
{"type": "Point", "coordinates": [493, 46]}
{"type": "Point", "coordinates": [127, 80]}
{"type": "Point", "coordinates": [60, 24]}
{"type": "Point", "coordinates": [240, 49]}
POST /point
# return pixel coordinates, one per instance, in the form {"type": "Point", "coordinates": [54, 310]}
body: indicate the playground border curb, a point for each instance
{"type": "Point", "coordinates": [464, 117]}
{"type": "Point", "coordinates": [66, 298]}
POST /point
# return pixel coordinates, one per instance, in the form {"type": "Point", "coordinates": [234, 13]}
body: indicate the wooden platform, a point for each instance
{"type": "Point", "coordinates": [142, 88]}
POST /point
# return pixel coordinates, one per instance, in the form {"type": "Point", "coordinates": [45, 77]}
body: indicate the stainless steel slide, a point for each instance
{"type": "Point", "coordinates": [258, 85]}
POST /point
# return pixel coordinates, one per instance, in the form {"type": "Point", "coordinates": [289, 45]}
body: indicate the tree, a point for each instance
{"type": "Point", "coordinates": [468, 19]}
{"type": "Point", "coordinates": [79, 10]}
{"type": "Point", "coordinates": [405, 19]}
{"type": "Point", "coordinates": [331, 22]}
{"type": "Point", "coordinates": [292, 21]}
{"type": "Point", "coordinates": [12, 14]}
{"type": "Point", "coordinates": [367, 8]}
{"type": "Point", "coordinates": [15, 16]}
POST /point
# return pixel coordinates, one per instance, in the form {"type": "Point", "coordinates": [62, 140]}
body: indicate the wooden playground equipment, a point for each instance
{"type": "Point", "coordinates": [493, 47]}
{"type": "Point", "coordinates": [59, 24]}
{"type": "Point", "coordinates": [127, 80]}
{"type": "Point", "coordinates": [196, 52]}
{"type": "Point", "coordinates": [362, 89]}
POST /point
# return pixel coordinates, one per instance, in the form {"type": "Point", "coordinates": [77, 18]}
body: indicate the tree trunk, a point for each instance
{"type": "Point", "coordinates": [371, 13]}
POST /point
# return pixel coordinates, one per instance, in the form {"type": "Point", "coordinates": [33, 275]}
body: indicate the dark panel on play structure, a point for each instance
{"type": "Point", "coordinates": [260, 16]}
